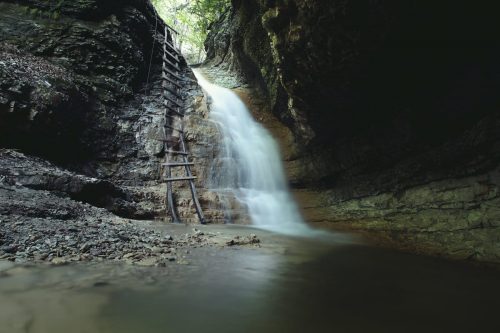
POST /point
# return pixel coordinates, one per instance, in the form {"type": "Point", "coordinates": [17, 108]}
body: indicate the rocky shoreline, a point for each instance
{"type": "Point", "coordinates": [52, 215]}
{"type": "Point", "coordinates": [99, 239]}
{"type": "Point", "coordinates": [82, 140]}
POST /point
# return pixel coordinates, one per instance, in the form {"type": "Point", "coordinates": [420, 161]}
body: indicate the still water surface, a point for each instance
{"type": "Point", "coordinates": [287, 285]}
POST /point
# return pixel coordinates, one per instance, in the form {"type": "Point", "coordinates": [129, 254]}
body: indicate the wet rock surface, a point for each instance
{"type": "Point", "coordinates": [63, 78]}
{"type": "Point", "coordinates": [82, 137]}
{"type": "Point", "coordinates": [94, 235]}
{"type": "Point", "coordinates": [248, 240]}
{"type": "Point", "coordinates": [42, 219]}
{"type": "Point", "coordinates": [25, 172]}
{"type": "Point", "coordinates": [384, 101]}
{"type": "Point", "coordinates": [48, 226]}
{"type": "Point", "coordinates": [80, 99]}
{"type": "Point", "coordinates": [72, 93]}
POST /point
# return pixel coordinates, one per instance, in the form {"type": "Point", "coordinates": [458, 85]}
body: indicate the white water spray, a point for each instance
{"type": "Point", "coordinates": [249, 164]}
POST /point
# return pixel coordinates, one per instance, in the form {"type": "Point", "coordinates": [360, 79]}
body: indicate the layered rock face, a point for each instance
{"type": "Point", "coordinates": [81, 115]}
{"type": "Point", "coordinates": [393, 109]}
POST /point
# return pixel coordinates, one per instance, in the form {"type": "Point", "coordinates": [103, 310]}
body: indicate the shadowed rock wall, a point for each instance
{"type": "Point", "coordinates": [81, 112]}
{"type": "Point", "coordinates": [394, 112]}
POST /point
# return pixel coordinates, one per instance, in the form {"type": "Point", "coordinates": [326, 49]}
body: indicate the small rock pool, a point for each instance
{"type": "Point", "coordinates": [286, 285]}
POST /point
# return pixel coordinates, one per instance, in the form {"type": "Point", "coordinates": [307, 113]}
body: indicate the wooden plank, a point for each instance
{"type": "Point", "coordinates": [168, 99]}
{"type": "Point", "coordinates": [171, 77]}
{"type": "Point", "coordinates": [177, 179]}
{"type": "Point", "coordinates": [172, 29]}
{"type": "Point", "coordinates": [170, 196]}
{"type": "Point", "coordinates": [167, 115]}
{"type": "Point", "coordinates": [172, 47]}
{"type": "Point", "coordinates": [174, 108]}
{"type": "Point", "coordinates": [165, 70]}
{"type": "Point", "coordinates": [174, 129]}
{"type": "Point", "coordinates": [166, 33]}
{"type": "Point", "coordinates": [174, 139]}
{"type": "Point", "coordinates": [178, 164]}
{"type": "Point", "coordinates": [171, 55]}
{"type": "Point", "coordinates": [170, 96]}
{"type": "Point", "coordinates": [176, 152]}
{"type": "Point", "coordinates": [166, 78]}
{"type": "Point", "coordinates": [168, 62]}
{"type": "Point", "coordinates": [197, 205]}
{"type": "Point", "coordinates": [172, 91]}
{"type": "Point", "coordinates": [170, 110]}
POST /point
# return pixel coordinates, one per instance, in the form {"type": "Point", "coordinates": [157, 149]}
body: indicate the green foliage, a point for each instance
{"type": "Point", "coordinates": [192, 19]}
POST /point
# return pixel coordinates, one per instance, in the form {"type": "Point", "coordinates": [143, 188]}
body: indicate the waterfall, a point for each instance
{"type": "Point", "coordinates": [249, 164]}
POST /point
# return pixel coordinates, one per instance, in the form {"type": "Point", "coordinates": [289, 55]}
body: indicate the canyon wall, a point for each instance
{"type": "Point", "coordinates": [392, 110]}
{"type": "Point", "coordinates": [81, 115]}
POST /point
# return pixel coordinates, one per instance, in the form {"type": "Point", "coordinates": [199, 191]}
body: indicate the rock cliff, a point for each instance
{"type": "Point", "coordinates": [81, 116]}
{"type": "Point", "coordinates": [393, 110]}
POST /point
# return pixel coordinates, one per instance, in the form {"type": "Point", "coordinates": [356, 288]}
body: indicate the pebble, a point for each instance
{"type": "Point", "coordinates": [61, 242]}
{"type": "Point", "coordinates": [147, 262]}
{"type": "Point", "coordinates": [9, 249]}
{"type": "Point", "coordinates": [59, 261]}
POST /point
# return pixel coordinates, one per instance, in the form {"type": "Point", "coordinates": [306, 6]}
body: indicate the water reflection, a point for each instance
{"type": "Point", "coordinates": [288, 285]}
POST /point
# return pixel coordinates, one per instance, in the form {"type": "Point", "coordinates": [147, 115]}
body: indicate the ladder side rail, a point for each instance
{"type": "Point", "coordinates": [168, 170]}
{"type": "Point", "coordinates": [197, 205]}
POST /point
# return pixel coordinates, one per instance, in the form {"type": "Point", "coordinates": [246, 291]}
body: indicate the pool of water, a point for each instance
{"type": "Point", "coordinates": [287, 285]}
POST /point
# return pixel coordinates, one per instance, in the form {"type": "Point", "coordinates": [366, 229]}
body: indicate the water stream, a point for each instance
{"type": "Point", "coordinates": [290, 284]}
{"type": "Point", "coordinates": [286, 284]}
{"type": "Point", "coordinates": [249, 164]}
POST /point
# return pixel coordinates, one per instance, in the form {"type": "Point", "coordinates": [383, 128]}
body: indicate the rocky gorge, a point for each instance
{"type": "Point", "coordinates": [81, 130]}
{"type": "Point", "coordinates": [387, 114]}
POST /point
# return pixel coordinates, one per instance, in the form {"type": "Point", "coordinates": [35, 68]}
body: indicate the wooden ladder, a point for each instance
{"type": "Point", "coordinates": [176, 154]}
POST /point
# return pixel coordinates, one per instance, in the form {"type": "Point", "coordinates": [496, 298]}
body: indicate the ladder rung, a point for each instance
{"type": "Point", "coordinates": [178, 164]}
{"type": "Point", "coordinates": [171, 90]}
{"type": "Point", "coordinates": [166, 43]}
{"type": "Point", "coordinates": [168, 99]}
{"type": "Point", "coordinates": [177, 96]}
{"type": "Point", "coordinates": [176, 152]}
{"type": "Point", "coordinates": [171, 81]}
{"type": "Point", "coordinates": [166, 61]}
{"type": "Point", "coordinates": [172, 47]}
{"type": "Point", "coordinates": [175, 129]}
{"type": "Point", "coordinates": [167, 27]}
{"type": "Point", "coordinates": [176, 179]}
{"type": "Point", "coordinates": [176, 101]}
{"type": "Point", "coordinates": [171, 55]}
{"type": "Point", "coordinates": [168, 108]}
{"type": "Point", "coordinates": [171, 73]}
{"type": "Point", "coordinates": [174, 139]}
{"type": "Point", "coordinates": [167, 32]}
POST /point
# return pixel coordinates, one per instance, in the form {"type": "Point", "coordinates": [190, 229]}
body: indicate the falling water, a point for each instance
{"type": "Point", "coordinates": [249, 164]}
